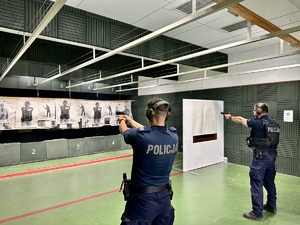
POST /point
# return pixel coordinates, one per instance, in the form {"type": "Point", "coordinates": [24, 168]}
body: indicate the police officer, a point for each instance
{"type": "Point", "coordinates": [154, 151]}
{"type": "Point", "coordinates": [262, 169]}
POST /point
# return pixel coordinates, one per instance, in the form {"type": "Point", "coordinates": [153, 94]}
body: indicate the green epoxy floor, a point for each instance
{"type": "Point", "coordinates": [88, 194]}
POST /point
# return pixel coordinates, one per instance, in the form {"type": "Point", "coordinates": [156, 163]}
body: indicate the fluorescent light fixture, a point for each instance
{"type": "Point", "coordinates": [217, 76]}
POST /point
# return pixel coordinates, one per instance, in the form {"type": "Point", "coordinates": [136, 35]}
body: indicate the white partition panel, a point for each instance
{"type": "Point", "coordinates": [203, 133]}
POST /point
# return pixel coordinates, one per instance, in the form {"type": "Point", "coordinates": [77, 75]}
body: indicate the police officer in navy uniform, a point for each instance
{"type": "Point", "coordinates": [262, 169]}
{"type": "Point", "coordinates": [154, 151]}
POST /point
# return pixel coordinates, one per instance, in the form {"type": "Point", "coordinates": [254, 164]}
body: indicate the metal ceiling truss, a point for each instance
{"type": "Point", "coordinates": [197, 54]}
{"type": "Point", "coordinates": [231, 5]}
{"type": "Point", "coordinates": [188, 19]}
{"type": "Point", "coordinates": [204, 70]}
{"type": "Point", "coordinates": [40, 27]}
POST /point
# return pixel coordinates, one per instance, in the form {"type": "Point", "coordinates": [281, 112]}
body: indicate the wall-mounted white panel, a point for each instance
{"type": "Point", "coordinates": [204, 153]}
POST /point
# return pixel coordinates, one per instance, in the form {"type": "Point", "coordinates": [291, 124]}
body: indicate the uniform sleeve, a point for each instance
{"type": "Point", "coordinates": [130, 136]}
{"type": "Point", "coordinates": [252, 122]}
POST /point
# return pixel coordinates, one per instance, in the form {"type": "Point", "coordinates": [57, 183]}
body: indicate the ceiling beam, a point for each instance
{"type": "Point", "coordinates": [186, 20]}
{"type": "Point", "coordinates": [40, 27]}
{"type": "Point", "coordinates": [261, 22]}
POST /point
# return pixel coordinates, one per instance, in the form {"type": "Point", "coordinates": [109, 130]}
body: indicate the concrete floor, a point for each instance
{"type": "Point", "coordinates": [88, 194]}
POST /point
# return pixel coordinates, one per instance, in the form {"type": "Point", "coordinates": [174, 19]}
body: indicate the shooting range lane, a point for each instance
{"type": "Point", "coordinates": [50, 168]}
{"type": "Point", "coordinates": [27, 167]}
{"type": "Point", "coordinates": [88, 194]}
{"type": "Point", "coordinates": [54, 180]}
{"type": "Point", "coordinates": [25, 196]}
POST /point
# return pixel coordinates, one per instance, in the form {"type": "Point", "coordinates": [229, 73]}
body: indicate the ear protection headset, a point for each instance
{"type": "Point", "coordinates": [150, 112]}
{"type": "Point", "coordinates": [258, 110]}
{"type": "Point", "coordinates": [260, 107]}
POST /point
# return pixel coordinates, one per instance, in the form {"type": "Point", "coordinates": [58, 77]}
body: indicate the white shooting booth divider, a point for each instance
{"type": "Point", "coordinates": [202, 118]}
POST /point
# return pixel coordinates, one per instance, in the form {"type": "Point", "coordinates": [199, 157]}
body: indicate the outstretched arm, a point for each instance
{"type": "Point", "coordinates": [236, 119]}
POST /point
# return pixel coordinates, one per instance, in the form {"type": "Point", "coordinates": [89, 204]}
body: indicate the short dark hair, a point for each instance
{"type": "Point", "coordinates": [164, 107]}
{"type": "Point", "coordinates": [157, 106]}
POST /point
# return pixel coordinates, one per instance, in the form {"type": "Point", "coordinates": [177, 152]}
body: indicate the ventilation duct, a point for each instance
{"type": "Point", "coordinates": [186, 8]}
{"type": "Point", "coordinates": [235, 26]}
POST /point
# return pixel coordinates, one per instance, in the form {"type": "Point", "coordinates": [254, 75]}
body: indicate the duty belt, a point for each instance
{"type": "Point", "coordinates": [262, 152]}
{"type": "Point", "coordinates": [148, 189]}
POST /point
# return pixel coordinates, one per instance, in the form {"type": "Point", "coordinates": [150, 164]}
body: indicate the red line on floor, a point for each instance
{"type": "Point", "coordinates": [177, 173]}
{"type": "Point", "coordinates": [45, 169]}
{"type": "Point", "coordinates": [57, 206]}
{"type": "Point", "coordinates": [65, 204]}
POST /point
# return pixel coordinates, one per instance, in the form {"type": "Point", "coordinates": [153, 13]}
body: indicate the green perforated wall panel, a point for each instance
{"type": "Point", "coordinates": [266, 92]}
{"type": "Point", "coordinates": [233, 94]}
{"type": "Point", "coordinates": [72, 25]}
{"type": "Point", "coordinates": [95, 144]}
{"type": "Point", "coordinates": [112, 142]}
{"type": "Point", "coordinates": [246, 157]}
{"type": "Point", "coordinates": [288, 166]}
{"type": "Point", "coordinates": [234, 156]}
{"type": "Point", "coordinates": [33, 151]}
{"type": "Point", "coordinates": [77, 147]}
{"type": "Point", "coordinates": [288, 148]}
{"type": "Point", "coordinates": [9, 154]}
{"type": "Point", "coordinates": [124, 145]}
{"type": "Point", "coordinates": [57, 148]}
{"type": "Point", "coordinates": [249, 93]}
{"type": "Point", "coordinates": [287, 91]}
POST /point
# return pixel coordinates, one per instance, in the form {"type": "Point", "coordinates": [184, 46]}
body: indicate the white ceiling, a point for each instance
{"type": "Point", "coordinates": [206, 32]}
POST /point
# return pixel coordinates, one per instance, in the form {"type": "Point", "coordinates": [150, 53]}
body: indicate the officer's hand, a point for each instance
{"type": "Point", "coordinates": [121, 117]}
{"type": "Point", "coordinates": [227, 116]}
{"type": "Point", "coordinates": [127, 118]}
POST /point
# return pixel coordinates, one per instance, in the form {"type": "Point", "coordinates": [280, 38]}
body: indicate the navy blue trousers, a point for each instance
{"type": "Point", "coordinates": [262, 174]}
{"type": "Point", "coordinates": [149, 209]}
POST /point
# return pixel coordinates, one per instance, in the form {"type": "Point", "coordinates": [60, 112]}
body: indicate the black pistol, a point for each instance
{"type": "Point", "coordinates": [120, 113]}
{"type": "Point", "coordinates": [122, 184]}
{"type": "Point", "coordinates": [223, 113]}
{"type": "Point", "coordinates": [124, 179]}
{"type": "Point", "coordinates": [125, 187]}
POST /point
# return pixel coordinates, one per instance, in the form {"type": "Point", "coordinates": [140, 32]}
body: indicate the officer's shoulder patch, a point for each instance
{"type": "Point", "coordinates": [172, 129]}
{"type": "Point", "coordinates": [143, 128]}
